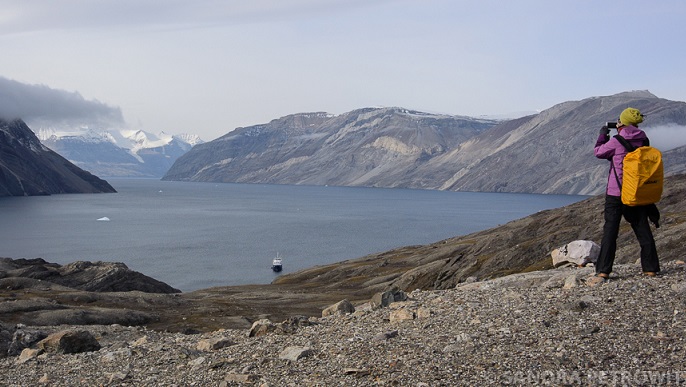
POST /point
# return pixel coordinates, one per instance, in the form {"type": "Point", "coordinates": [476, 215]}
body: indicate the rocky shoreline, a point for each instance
{"type": "Point", "coordinates": [543, 327]}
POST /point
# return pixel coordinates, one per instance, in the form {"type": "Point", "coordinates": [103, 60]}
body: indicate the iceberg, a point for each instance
{"type": "Point", "coordinates": [104, 219]}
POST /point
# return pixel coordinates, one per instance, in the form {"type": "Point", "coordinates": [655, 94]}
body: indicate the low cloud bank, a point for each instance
{"type": "Point", "coordinates": [666, 137]}
{"type": "Point", "coordinates": [45, 106]}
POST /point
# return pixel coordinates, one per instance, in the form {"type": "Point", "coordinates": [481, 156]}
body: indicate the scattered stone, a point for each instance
{"type": "Point", "coordinates": [117, 355]}
{"type": "Point", "coordinates": [356, 371]}
{"type": "Point", "coordinates": [241, 378]}
{"type": "Point", "coordinates": [214, 344]}
{"type": "Point", "coordinates": [589, 331]}
{"type": "Point", "coordinates": [140, 342]}
{"type": "Point", "coordinates": [295, 353]}
{"type": "Point", "coordinates": [118, 376]}
{"type": "Point", "coordinates": [402, 315]}
{"type": "Point", "coordinates": [28, 354]}
{"type": "Point", "coordinates": [571, 282]}
{"type": "Point", "coordinates": [423, 313]}
{"type": "Point", "coordinates": [197, 362]}
{"type": "Point", "coordinates": [292, 324]}
{"type": "Point", "coordinates": [386, 336]}
{"type": "Point", "coordinates": [680, 289]}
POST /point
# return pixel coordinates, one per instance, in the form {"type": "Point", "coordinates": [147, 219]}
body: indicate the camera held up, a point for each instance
{"type": "Point", "coordinates": [611, 125]}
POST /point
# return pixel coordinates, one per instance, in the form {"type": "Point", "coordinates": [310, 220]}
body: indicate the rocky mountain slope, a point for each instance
{"type": "Point", "coordinates": [119, 153]}
{"type": "Point", "coordinates": [366, 147]}
{"type": "Point", "coordinates": [27, 167]}
{"type": "Point", "coordinates": [550, 152]}
{"type": "Point", "coordinates": [542, 328]}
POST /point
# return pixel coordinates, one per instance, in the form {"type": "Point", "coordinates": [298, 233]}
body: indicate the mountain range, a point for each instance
{"type": "Point", "coordinates": [550, 152]}
{"type": "Point", "coordinates": [118, 153]}
{"type": "Point", "coordinates": [28, 167]}
{"type": "Point", "coordinates": [373, 147]}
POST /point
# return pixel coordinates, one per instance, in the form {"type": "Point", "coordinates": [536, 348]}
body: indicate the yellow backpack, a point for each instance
{"type": "Point", "coordinates": [643, 174]}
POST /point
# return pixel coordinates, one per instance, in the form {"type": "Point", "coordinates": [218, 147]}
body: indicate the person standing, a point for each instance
{"type": "Point", "coordinates": [611, 149]}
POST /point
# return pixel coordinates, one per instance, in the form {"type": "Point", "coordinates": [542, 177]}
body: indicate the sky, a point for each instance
{"type": "Point", "coordinates": [207, 67]}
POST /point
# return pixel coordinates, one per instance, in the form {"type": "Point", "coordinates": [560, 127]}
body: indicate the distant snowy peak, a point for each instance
{"type": "Point", "coordinates": [191, 139]}
{"type": "Point", "coordinates": [124, 138]}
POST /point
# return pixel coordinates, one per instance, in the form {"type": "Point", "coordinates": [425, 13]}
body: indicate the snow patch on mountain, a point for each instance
{"type": "Point", "coordinates": [130, 139]}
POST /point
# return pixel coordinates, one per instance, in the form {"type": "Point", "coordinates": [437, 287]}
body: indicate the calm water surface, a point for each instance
{"type": "Point", "coordinates": [199, 235]}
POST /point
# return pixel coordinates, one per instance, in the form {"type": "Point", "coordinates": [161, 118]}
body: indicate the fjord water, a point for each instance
{"type": "Point", "coordinates": [200, 235]}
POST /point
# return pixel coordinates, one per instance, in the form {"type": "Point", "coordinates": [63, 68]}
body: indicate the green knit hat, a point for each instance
{"type": "Point", "coordinates": [631, 116]}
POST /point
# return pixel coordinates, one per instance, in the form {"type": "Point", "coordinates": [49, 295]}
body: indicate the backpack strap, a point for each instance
{"type": "Point", "coordinates": [625, 143]}
{"type": "Point", "coordinates": [612, 166]}
{"type": "Point", "coordinates": [628, 146]}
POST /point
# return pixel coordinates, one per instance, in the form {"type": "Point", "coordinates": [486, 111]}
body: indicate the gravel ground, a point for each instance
{"type": "Point", "coordinates": [547, 328]}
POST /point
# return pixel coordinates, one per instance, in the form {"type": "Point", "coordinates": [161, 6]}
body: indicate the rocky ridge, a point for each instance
{"type": "Point", "coordinates": [79, 275]}
{"type": "Point", "coordinates": [544, 327]}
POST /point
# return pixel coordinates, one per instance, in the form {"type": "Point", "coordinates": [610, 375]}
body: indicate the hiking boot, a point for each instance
{"type": "Point", "coordinates": [650, 273]}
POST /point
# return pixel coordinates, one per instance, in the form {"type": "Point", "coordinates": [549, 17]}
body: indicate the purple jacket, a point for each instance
{"type": "Point", "coordinates": [611, 149]}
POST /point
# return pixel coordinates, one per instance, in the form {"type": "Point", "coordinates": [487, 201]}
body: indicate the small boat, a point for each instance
{"type": "Point", "coordinates": [276, 264]}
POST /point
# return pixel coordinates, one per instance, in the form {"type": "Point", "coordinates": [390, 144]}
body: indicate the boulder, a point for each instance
{"type": "Point", "coordinates": [69, 342]}
{"type": "Point", "coordinates": [579, 252]}
{"type": "Point", "coordinates": [261, 327]}
{"type": "Point", "coordinates": [339, 308]}
{"type": "Point", "coordinates": [24, 338]}
{"type": "Point", "coordinates": [383, 299]}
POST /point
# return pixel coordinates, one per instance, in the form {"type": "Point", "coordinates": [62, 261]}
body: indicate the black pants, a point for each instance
{"type": "Point", "coordinates": [638, 218]}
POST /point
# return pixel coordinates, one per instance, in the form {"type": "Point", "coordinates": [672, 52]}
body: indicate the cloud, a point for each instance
{"type": "Point", "coordinates": [41, 104]}
{"type": "Point", "coordinates": [666, 137]}
{"type": "Point", "coordinates": [74, 14]}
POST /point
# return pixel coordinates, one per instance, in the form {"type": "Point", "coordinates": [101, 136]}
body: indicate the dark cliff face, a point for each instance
{"type": "Point", "coordinates": [28, 168]}
{"type": "Point", "coordinates": [550, 152]}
